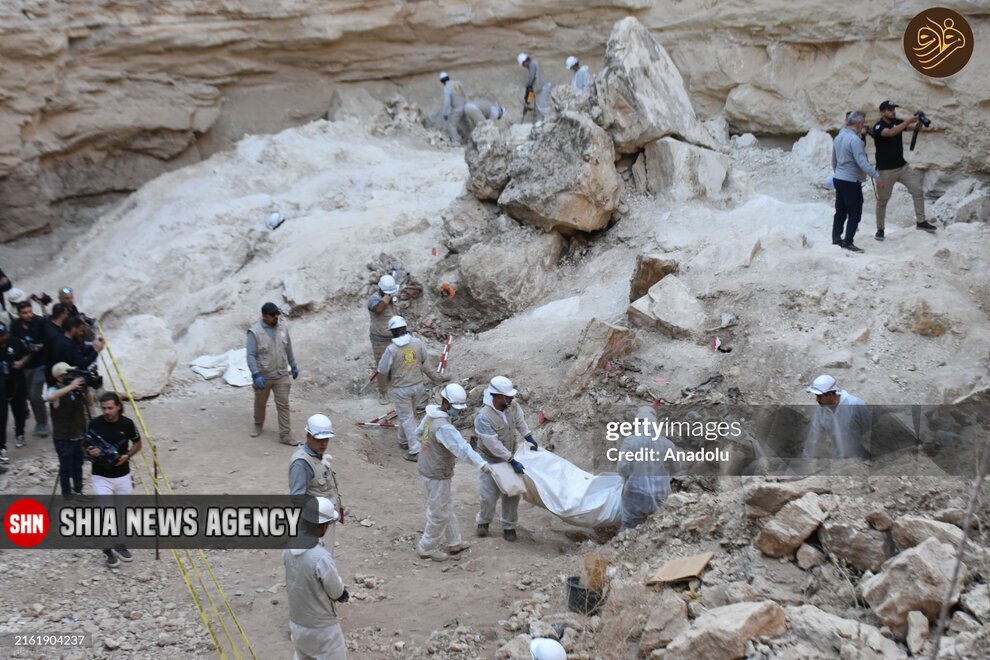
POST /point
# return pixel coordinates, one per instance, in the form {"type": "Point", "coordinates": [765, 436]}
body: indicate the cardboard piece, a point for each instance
{"type": "Point", "coordinates": [595, 567]}
{"type": "Point", "coordinates": [682, 568]}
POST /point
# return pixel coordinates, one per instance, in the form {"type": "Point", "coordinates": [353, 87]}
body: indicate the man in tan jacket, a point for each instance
{"type": "Point", "coordinates": [271, 361]}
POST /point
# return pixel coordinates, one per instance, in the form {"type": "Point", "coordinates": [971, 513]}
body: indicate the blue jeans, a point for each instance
{"type": "Point", "coordinates": [848, 204]}
{"type": "Point", "coordinates": [70, 461]}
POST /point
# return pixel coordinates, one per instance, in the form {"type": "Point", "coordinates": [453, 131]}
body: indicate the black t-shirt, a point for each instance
{"type": "Point", "coordinates": [890, 150]}
{"type": "Point", "coordinates": [35, 336]}
{"type": "Point", "coordinates": [15, 350]}
{"type": "Point", "coordinates": [120, 434]}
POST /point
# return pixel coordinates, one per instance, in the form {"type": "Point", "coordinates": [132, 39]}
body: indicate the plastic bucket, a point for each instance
{"type": "Point", "coordinates": [581, 599]}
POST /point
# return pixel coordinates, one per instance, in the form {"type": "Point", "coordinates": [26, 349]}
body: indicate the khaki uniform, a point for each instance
{"type": "Point", "coordinates": [911, 178]}
{"type": "Point", "coordinates": [498, 447]}
{"type": "Point", "coordinates": [323, 484]}
{"type": "Point", "coordinates": [273, 365]}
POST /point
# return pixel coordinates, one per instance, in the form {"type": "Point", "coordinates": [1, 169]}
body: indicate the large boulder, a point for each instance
{"type": "Point", "coordinates": [909, 531]}
{"type": "Point", "coordinates": [467, 222]}
{"type": "Point", "coordinates": [723, 632]}
{"type": "Point", "coordinates": [641, 93]}
{"type": "Point", "coordinates": [813, 152]}
{"type": "Point", "coordinates": [682, 171]}
{"type": "Point", "coordinates": [767, 497]}
{"type": "Point", "coordinates": [650, 269]}
{"type": "Point", "coordinates": [965, 201]}
{"type": "Point", "coordinates": [503, 276]}
{"type": "Point", "coordinates": [863, 548]}
{"type": "Point", "coordinates": [569, 181]}
{"type": "Point", "coordinates": [488, 156]}
{"type": "Point", "coordinates": [787, 530]}
{"type": "Point", "coordinates": [829, 633]}
{"type": "Point", "coordinates": [916, 579]}
{"type": "Point", "coordinates": [668, 619]}
{"type": "Point", "coordinates": [670, 307]}
{"type": "Point", "coordinates": [143, 349]}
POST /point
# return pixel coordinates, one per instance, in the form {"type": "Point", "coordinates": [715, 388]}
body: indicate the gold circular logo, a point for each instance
{"type": "Point", "coordinates": [938, 42]}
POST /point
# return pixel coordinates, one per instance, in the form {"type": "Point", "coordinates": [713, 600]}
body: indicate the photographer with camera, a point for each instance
{"type": "Point", "coordinates": [888, 135]}
{"type": "Point", "coordinates": [14, 354]}
{"type": "Point", "coordinates": [30, 329]}
{"type": "Point", "coordinates": [111, 441]}
{"type": "Point", "coordinates": [68, 401]}
{"type": "Point", "coordinates": [70, 346]}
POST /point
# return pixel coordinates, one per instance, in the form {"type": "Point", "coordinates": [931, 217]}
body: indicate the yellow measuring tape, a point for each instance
{"type": "Point", "coordinates": [175, 554]}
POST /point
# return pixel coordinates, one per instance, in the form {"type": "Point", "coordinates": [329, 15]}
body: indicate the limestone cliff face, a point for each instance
{"type": "Point", "coordinates": [98, 96]}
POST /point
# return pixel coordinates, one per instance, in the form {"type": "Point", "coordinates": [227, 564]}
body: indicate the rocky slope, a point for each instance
{"type": "Point", "coordinates": [102, 95]}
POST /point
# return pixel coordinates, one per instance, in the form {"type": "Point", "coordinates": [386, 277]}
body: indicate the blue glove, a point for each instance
{"type": "Point", "coordinates": [445, 117]}
{"type": "Point", "coordinates": [530, 440]}
{"type": "Point", "coordinates": [259, 382]}
{"type": "Point", "coordinates": [517, 466]}
{"type": "Point", "coordinates": [295, 373]}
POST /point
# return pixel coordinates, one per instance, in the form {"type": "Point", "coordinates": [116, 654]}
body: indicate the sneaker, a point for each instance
{"type": "Point", "coordinates": [455, 549]}
{"type": "Point", "coordinates": [112, 561]}
{"type": "Point", "coordinates": [436, 555]}
{"type": "Point", "coordinates": [124, 554]}
{"type": "Point", "coordinates": [926, 226]}
{"type": "Point", "coordinates": [404, 445]}
{"type": "Point", "coordinates": [3, 456]}
{"type": "Point", "coordinates": [851, 247]}
{"type": "Point", "coordinates": [19, 442]}
{"type": "Point", "coordinates": [509, 534]}
{"type": "Point", "coordinates": [383, 398]}
{"type": "Point", "coordinates": [878, 236]}
{"type": "Point", "coordinates": [411, 457]}
{"type": "Point", "coordinates": [836, 242]}
{"type": "Point", "coordinates": [256, 431]}
{"type": "Point", "coordinates": [482, 530]}
{"type": "Point", "coordinates": [81, 496]}
{"type": "Point", "coordinates": [40, 431]}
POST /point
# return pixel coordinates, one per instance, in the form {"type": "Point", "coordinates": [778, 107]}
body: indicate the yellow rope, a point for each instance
{"type": "Point", "coordinates": [205, 560]}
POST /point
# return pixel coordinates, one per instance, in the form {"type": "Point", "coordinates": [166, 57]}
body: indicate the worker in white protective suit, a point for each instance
{"type": "Point", "coordinates": [498, 425]}
{"type": "Point", "coordinates": [537, 91]}
{"type": "Point", "coordinates": [544, 648]}
{"type": "Point", "coordinates": [441, 445]}
{"type": "Point", "coordinates": [479, 110]}
{"type": "Point", "coordinates": [842, 417]}
{"type": "Point", "coordinates": [454, 99]}
{"type": "Point", "coordinates": [403, 367]}
{"type": "Point", "coordinates": [646, 475]}
{"type": "Point", "coordinates": [314, 587]}
{"type": "Point", "coordinates": [581, 76]}
{"type": "Point", "coordinates": [381, 307]}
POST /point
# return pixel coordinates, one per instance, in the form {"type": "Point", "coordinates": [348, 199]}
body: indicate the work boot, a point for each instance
{"type": "Point", "coordinates": [19, 441]}
{"type": "Point", "coordinates": [288, 441]}
{"type": "Point", "coordinates": [879, 235]}
{"type": "Point", "coordinates": [436, 555]}
{"type": "Point", "coordinates": [112, 561]}
{"type": "Point", "coordinates": [256, 431]}
{"type": "Point", "coordinates": [383, 398]}
{"type": "Point", "coordinates": [411, 457]}
{"type": "Point", "coordinates": [926, 226]}
{"type": "Point", "coordinates": [40, 431]}
{"type": "Point", "coordinates": [455, 549]}
{"type": "Point", "coordinates": [482, 530]}
{"type": "Point", "coordinates": [509, 534]}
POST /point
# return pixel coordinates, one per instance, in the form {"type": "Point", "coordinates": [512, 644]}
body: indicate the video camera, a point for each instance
{"type": "Point", "coordinates": [108, 453]}
{"type": "Point", "coordinates": [923, 118]}
{"type": "Point", "coordinates": [91, 376]}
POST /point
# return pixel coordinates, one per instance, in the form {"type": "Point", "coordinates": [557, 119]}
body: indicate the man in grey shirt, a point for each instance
{"type": "Point", "coordinates": [271, 361]}
{"type": "Point", "coordinates": [850, 166]}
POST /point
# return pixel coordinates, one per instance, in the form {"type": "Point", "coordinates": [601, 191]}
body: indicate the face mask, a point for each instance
{"type": "Point", "coordinates": [453, 412]}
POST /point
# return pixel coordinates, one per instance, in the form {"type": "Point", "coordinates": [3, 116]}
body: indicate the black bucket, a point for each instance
{"type": "Point", "coordinates": [581, 599]}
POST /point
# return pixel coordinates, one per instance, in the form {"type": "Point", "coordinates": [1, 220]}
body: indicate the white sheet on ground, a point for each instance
{"type": "Point", "coordinates": [565, 490]}
{"type": "Point", "coordinates": [232, 365]}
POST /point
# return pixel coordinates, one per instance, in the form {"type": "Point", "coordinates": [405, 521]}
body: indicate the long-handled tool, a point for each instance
{"type": "Point", "coordinates": [446, 292]}
{"type": "Point", "coordinates": [368, 384]}
{"type": "Point", "coordinates": [442, 366]}
{"type": "Point", "coordinates": [380, 422]}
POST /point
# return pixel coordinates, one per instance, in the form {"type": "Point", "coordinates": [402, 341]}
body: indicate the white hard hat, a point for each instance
{"type": "Point", "coordinates": [544, 648]}
{"type": "Point", "coordinates": [16, 295]}
{"type": "Point", "coordinates": [571, 61]}
{"type": "Point", "coordinates": [522, 57]}
{"type": "Point", "coordinates": [822, 385]}
{"type": "Point", "coordinates": [456, 395]}
{"type": "Point", "coordinates": [326, 511]}
{"type": "Point", "coordinates": [443, 75]}
{"type": "Point", "coordinates": [387, 284]}
{"type": "Point", "coordinates": [396, 322]}
{"type": "Point", "coordinates": [320, 427]}
{"type": "Point", "coordinates": [502, 385]}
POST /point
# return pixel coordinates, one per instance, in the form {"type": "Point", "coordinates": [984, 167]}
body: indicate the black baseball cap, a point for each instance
{"type": "Point", "coordinates": [888, 105]}
{"type": "Point", "coordinates": [270, 309]}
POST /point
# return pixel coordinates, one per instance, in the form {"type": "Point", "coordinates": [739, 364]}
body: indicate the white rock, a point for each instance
{"type": "Point", "coordinates": [669, 306]}
{"type": "Point", "coordinates": [909, 531]}
{"type": "Point", "coordinates": [976, 601]}
{"type": "Point", "coordinates": [745, 141]}
{"type": "Point", "coordinates": [144, 350]}
{"type": "Point", "coordinates": [683, 171]}
{"type": "Point", "coordinates": [813, 152]}
{"type": "Point", "coordinates": [828, 633]}
{"type": "Point", "coordinates": [787, 530]}
{"type": "Point", "coordinates": [724, 631]}
{"type": "Point", "coordinates": [809, 556]}
{"type": "Point", "coordinates": [917, 624]}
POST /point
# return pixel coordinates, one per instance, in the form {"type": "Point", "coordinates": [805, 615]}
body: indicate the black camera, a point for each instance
{"type": "Point", "coordinates": [108, 453]}
{"type": "Point", "coordinates": [91, 376]}
{"type": "Point", "coordinates": [923, 118]}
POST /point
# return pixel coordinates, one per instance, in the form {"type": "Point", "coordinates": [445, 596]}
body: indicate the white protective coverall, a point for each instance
{"type": "Point", "coordinates": [540, 88]}
{"type": "Point", "coordinates": [313, 584]}
{"type": "Point", "coordinates": [404, 365]}
{"type": "Point", "coordinates": [848, 424]}
{"type": "Point", "coordinates": [645, 483]}
{"type": "Point", "coordinates": [581, 79]}
{"type": "Point", "coordinates": [441, 444]}
{"type": "Point", "coordinates": [480, 110]}
{"type": "Point", "coordinates": [498, 445]}
{"type": "Point", "coordinates": [454, 99]}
